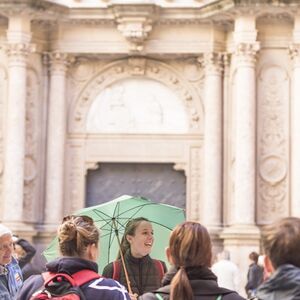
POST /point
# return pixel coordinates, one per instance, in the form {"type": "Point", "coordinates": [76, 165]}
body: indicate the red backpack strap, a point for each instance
{"type": "Point", "coordinates": [160, 268]}
{"type": "Point", "coordinates": [79, 278]}
{"type": "Point", "coordinates": [84, 276]}
{"type": "Point", "coordinates": [116, 270]}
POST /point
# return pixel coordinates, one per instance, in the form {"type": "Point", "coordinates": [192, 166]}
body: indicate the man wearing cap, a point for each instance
{"type": "Point", "coordinates": [10, 272]}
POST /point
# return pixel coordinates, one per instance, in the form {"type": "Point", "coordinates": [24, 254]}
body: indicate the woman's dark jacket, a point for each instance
{"type": "Point", "coordinates": [142, 272]}
{"type": "Point", "coordinates": [203, 282]}
{"type": "Point", "coordinates": [255, 277]}
{"type": "Point", "coordinates": [102, 288]}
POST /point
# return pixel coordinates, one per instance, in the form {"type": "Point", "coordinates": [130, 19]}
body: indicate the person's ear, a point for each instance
{"type": "Point", "coordinates": [268, 264]}
{"type": "Point", "coordinates": [129, 238]}
{"type": "Point", "coordinates": [169, 257]}
{"type": "Point", "coordinates": [92, 252]}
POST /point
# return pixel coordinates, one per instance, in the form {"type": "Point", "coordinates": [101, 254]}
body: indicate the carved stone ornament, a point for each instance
{"type": "Point", "coordinates": [148, 69]}
{"type": "Point", "coordinates": [19, 51]}
{"type": "Point", "coordinates": [294, 51]}
{"type": "Point", "coordinates": [135, 23]}
{"type": "Point", "coordinates": [246, 52]}
{"type": "Point", "coordinates": [273, 169]}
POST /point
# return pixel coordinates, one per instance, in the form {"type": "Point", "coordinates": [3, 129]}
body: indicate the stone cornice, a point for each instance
{"type": "Point", "coordinates": [221, 11]}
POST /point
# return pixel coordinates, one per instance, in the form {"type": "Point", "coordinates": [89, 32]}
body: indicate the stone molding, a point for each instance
{"type": "Point", "coordinates": [138, 67]}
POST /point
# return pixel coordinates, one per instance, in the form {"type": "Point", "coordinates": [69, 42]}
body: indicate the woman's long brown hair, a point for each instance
{"type": "Point", "coordinates": [190, 246]}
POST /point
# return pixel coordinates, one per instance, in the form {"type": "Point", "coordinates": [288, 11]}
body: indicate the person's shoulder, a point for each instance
{"type": "Point", "coordinates": [108, 270]}
{"type": "Point", "coordinates": [233, 296]}
{"type": "Point", "coordinates": [108, 288]}
{"type": "Point", "coordinates": [107, 282]}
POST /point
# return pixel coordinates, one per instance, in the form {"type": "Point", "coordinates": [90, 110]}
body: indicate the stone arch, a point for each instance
{"type": "Point", "coordinates": [137, 68]}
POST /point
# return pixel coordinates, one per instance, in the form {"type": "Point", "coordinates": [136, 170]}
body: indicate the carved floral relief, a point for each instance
{"type": "Point", "coordinates": [272, 150]}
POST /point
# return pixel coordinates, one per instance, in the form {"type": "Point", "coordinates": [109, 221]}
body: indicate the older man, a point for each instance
{"type": "Point", "coordinates": [10, 272]}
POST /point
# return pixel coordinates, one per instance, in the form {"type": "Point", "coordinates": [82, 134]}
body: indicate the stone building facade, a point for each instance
{"type": "Point", "coordinates": [210, 88]}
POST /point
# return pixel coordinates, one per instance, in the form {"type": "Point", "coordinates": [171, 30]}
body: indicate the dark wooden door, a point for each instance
{"type": "Point", "coordinates": [158, 182]}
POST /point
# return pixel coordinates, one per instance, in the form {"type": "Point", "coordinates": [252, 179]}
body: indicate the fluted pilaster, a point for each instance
{"type": "Point", "coordinates": [213, 64]}
{"type": "Point", "coordinates": [245, 149]}
{"type": "Point", "coordinates": [13, 180]}
{"type": "Point", "coordinates": [56, 139]}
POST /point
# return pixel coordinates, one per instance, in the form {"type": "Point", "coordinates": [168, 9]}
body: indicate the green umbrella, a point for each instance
{"type": "Point", "coordinates": [111, 218]}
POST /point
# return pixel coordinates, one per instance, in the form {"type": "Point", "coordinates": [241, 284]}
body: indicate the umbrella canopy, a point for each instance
{"type": "Point", "coordinates": [111, 218]}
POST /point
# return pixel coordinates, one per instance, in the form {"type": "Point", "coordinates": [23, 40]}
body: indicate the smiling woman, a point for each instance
{"type": "Point", "coordinates": [144, 273]}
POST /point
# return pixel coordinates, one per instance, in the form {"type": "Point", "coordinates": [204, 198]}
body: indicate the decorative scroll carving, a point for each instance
{"type": "Point", "coordinates": [152, 70]}
{"type": "Point", "coordinates": [193, 71]}
{"type": "Point", "coordinates": [273, 127]}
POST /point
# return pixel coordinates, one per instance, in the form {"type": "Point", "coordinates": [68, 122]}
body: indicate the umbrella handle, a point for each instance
{"type": "Point", "coordinates": [122, 258]}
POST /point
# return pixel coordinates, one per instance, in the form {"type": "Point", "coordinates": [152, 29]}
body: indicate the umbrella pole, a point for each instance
{"type": "Point", "coordinates": [122, 257]}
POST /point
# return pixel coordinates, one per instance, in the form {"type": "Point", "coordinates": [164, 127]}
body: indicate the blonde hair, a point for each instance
{"type": "Point", "coordinates": [75, 234]}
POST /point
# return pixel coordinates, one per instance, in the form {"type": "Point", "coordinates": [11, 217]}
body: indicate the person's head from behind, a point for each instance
{"type": "Point", "coordinates": [6, 245]}
{"type": "Point", "coordinates": [78, 237]}
{"type": "Point", "coordinates": [189, 246]}
{"type": "Point", "coordinates": [281, 243]}
{"type": "Point", "coordinates": [253, 256]}
{"type": "Point", "coordinates": [224, 255]}
{"type": "Point", "coordinates": [138, 237]}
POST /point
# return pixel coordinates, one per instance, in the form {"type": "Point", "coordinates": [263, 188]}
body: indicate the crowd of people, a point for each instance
{"type": "Point", "coordinates": [135, 275]}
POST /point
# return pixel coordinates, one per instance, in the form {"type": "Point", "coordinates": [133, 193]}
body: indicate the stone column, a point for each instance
{"type": "Point", "coordinates": [18, 48]}
{"type": "Point", "coordinates": [213, 142]}
{"type": "Point", "coordinates": [245, 151]}
{"type": "Point", "coordinates": [242, 236]}
{"type": "Point", "coordinates": [56, 140]}
{"type": "Point", "coordinates": [295, 131]}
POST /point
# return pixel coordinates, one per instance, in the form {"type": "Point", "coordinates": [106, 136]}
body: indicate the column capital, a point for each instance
{"type": "Point", "coordinates": [58, 61]}
{"type": "Point", "coordinates": [212, 62]}
{"type": "Point", "coordinates": [245, 53]}
{"type": "Point", "coordinates": [294, 51]}
{"type": "Point", "coordinates": [18, 52]}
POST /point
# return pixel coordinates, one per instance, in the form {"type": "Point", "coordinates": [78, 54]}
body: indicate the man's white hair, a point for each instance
{"type": "Point", "coordinates": [4, 230]}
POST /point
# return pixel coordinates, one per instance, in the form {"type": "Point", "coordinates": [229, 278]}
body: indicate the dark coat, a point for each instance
{"type": "Point", "coordinates": [254, 277]}
{"type": "Point", "coordinates": [104, 289]}
{"type": "Point", "coordinates": [142, 272]}
{"type": "Point", "coordinates": [204, 285]}
{"type": "Point", "coordinates": [284, 284]}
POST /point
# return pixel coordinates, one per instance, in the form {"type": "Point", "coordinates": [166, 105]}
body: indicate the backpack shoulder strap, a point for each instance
{"type": "Point", "coordinates": [84, 276]}
{"type": "Point", "coordinates": [160, 268]}
{"type": "Point", "coordinates": [116, 270]}
{"type": "Point", "coordinates": [79, 278]}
